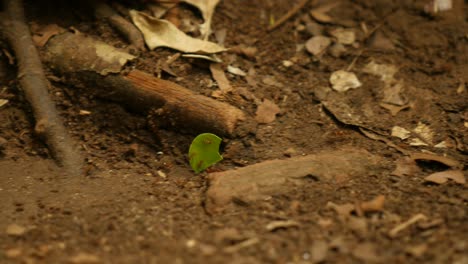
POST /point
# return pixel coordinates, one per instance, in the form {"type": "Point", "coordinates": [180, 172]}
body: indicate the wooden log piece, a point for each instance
{"type": "Point", "coordinates": [98, 65]}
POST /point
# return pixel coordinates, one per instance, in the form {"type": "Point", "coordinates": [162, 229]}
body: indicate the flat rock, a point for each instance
{"type": "Point", "coordinates": [267, 178]}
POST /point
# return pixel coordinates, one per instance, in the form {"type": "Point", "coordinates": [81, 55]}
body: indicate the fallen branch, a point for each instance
{"type": "Point", "coordinates": [35, 87]}
{"type": "Point", "coordinates": [98, 65]}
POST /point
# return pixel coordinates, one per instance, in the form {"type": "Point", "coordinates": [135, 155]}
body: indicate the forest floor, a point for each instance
{"type": "Point", "coordinates": [140, 201]}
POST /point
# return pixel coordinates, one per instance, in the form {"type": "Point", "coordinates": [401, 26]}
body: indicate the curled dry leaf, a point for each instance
{"type": "Point", "coordinates": [161, 33]}
{"type": "Point", "coordinates": [266, 112]}
{"type": "Point", "coordinates": [41, 37]}
{"type": "Point", "coordinates": [432, 157]}
{"type": "Point", "coordinates": [342, 81]}
{"type": "Point", "coordinates": [317, 45]}
{"type": "Point", "coordinates": [207, 8]}
{"type": "Point", "coordinates": [443, 176]}
{"type": "Point", "coordinates": [236, 71]}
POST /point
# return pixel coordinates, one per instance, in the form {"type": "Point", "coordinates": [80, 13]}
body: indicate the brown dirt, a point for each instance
{"type": "Point", "coordinates": [141, 203]}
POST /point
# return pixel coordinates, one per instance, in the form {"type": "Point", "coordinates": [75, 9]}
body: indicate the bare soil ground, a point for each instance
{"type": "Point", "coordinates": [140, 202]}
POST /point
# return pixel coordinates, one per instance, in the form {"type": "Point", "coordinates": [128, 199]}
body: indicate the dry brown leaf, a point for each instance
{"type": "Point", "coordinates": [393, 109]}
{"type": "Point", "coordinates": [443, 176]}
{"type": "Point", "coordinates": [207, 8]}
{"type": "Point", "coordinates": [161, 33]}
{"type": "Point", "coordinates": [266, 112]}
{"type": "Point", "coordinates": [218, 75]}
{"type": "Point", "coordinates": [41, 37]}
{"type": "Point", "coordinates": [374, 205]}
{"type": "Point", "coordinates": [406, 167]}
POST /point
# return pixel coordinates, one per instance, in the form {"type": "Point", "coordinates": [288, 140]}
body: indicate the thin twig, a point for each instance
{"type": "Point", "coordinates": [35, 87]}
{"type": "Point", "coordinates": [288, 15]}
{"type": "Point", "coordinates": [124, 27]}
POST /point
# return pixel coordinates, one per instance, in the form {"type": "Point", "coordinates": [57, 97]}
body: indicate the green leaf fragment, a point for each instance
{"type": "Point", "coordinates": [204, 151]}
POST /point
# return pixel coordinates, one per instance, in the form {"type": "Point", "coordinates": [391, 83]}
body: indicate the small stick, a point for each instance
{"type": "Point", "coordinates": [397, 229]}
{"type": "Point", "coordinates": [124, 27]}
{"type": "Point", "coordinates": [35, 86]}
{"type": "Point", "coordinates": [288, 15]}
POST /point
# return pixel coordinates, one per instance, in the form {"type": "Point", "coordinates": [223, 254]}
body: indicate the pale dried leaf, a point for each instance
{"type": "Point", "coordinates": [3, 102]}
{"type": "Point", "coordinates": [342, 81]}
{"type": "Point", "coordinates": [400, 132]}
{"type": "Point", "coordinates": [425, 132]}
{"type": "Point", "coordinates": [207, 8]}
{"type": "Point", "coordinates": [266, 112]}
{"type": "Point", "coordinates": [317, 45]}
{"type": "Point", "coordinates": [443, 176]}
{"type": "Point", "coordinates": [208, 57]}
{"type": "Point", "coordinates": [162, 33]}
{"type": "Point", "coordinates": [416, 142]}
